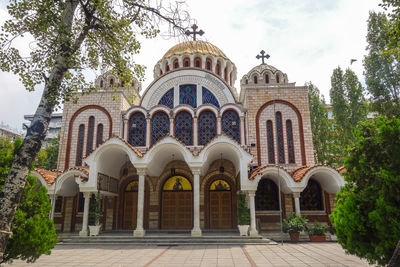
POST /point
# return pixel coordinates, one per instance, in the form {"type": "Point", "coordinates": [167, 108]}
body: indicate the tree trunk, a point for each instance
{"type": "Point", "coordinates": [25, 155]}
{"type": "Point", "coordinates": [395, 260]}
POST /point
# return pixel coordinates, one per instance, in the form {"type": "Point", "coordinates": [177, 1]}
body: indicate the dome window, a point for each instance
{"type": "Point", "coordinates": [160, 72]}
{"type": "Point", "coordinates": [101, 83]}
{"type": "Point", "coordinates": [208, 64]}
{"type": "Point", "coordinates": [277, 78]}
{"type": "Point", "coordinates": [218, 68]}
{"type": "Point", "coordinates": [247, 81]}
{"type": "Point", "coordinates": [176, 64]}
{"type": "Point", "coordinates": [111, 82]}
{"type": "Point", "coordinates": [266, 78]}
{"type": "Point", "coordinates": [186, 62]}
{"type": "Point", "coordinates": [197, 62]}
{"type": "Point", "coordinates": [226, 74]}
{"type": "Point", "coordinates": [166, 67]}
{"type": "Point", "coordinates": [255, 79]}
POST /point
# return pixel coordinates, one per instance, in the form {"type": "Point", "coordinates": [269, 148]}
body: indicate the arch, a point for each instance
{"type": "Point", "coordinates": [137, 129]}
{"type": "Point", "coordinates": [129, 113]}
{"type": "Point", "coordinates": [67, 182]}
{"type": "Point", "coordinates": [186, 62]}
{"type": "Point", "coordinates": [175, 64]}
{"type": "Point", "coordinates": [300, 121]}
{"type": "Point", "coordinates": [159, 108]}
{"type": "Point", "coordinates": [71, 123]}
{"type": "Point", "coordinates": [89, 144]}
{"type": "Point", "coordinates": [277, 175]}
{"type": "Point", "coordinates": [267, 195]}
{"type": "Point", "coordinates": [231, 124]}
{"type": "Point", "coordinates": [311, 197]}
{"type": "Point", "coordinates": [159, 126]}
{"type": "Point", "coordinates": [207, 128]}
{"type": "Point", "coordinates": [205, 107]}
{"type": "Point", "coordinates": [329, 178]}
{"type": "Point", "coordinates": [208, 64]}
{"type": "Point", "coordinates": [184, 127]}
{"type": "Point", "coordinates": [180, 108]}
{"type": "Point", "coordinates": [79, 145]}
{"type": "Point", "coordinates": [255, 79]}
{"type": "Point", "coordinates": [197, 62]}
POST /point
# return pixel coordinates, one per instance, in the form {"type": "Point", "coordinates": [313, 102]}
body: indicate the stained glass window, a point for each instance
{"type": "Point", "coordinates": [99, 139]}
{"type": "Point", "coordinates": [207, 127]}
{"type": "Point", "coordinates": [311, 197]}
{"type": "Point", "coordinates": [267, 196]}
{"type": "Point", "coordinates": [289, 135]}
{"type": "Point", "coordinates": [187, 95]}
{"type": "Point", "coordinates": [270, 143]}
{"type": "Point", "coordinates": [137, 129]}
{"type": "Point", "coordinates": [279, 134]}
{"type": "Point", "coordinates": [89, 146]}
{"type": "Point", "coordinates": [159, 126]}
{"type": "Point", "coordinates": [209, 98]}
{"type": "Point", "coordinates": [184, 127]}
{"type": "Point", "coordinates": [230, 124]}
{"type": "Point", "coordinates": [79, 152]}
{"type": "Point", "coordinates": [167, 99]}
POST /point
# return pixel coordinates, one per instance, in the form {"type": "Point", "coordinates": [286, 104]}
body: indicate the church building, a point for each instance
{"type": "Point", "coordinates": [176, 156]}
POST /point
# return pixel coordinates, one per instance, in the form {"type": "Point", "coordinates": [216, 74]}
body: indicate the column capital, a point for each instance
{"type": "Point", "coordinates": [251, 193]}
{"type": "Point", "coordinates": [141, 171]}
{"type": "Point", "coordinates": [196, 170]}
{"type": "Point", "coordinates": [296, 194]}
{"type": "Point", "coordinates": [87, 194]}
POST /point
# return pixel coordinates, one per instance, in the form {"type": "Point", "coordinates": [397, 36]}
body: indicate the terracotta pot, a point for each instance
{"type": "Point", "coordinates": [317, 238]}
{"type": "Point", "coordinates": [294, 237]}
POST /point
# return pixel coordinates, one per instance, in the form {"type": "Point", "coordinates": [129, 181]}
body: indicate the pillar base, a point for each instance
{"type": "Point", "coordinates": [253, 232]}
{"type": "Point", "coordinates": [83, 233]}
{"type": "Point", "coordinates": [196, 232]}
{"type": "Point", "coordinates": [139, 233]}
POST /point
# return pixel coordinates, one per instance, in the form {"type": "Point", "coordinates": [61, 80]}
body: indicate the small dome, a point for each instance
{"type": "Point", "coordinates": [194, 47]}
{"type": "Point", "coordinates": [262, 67]}
{"type": "Point", "coordinates": [264, 74]}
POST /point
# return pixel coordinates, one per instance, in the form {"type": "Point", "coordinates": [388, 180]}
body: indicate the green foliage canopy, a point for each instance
{"type": "Point", "coordinates": [243, 212]}
{"type": "Point", "coordinates": [367, 214]}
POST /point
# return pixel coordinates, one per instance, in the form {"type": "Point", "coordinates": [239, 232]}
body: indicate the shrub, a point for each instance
{"type": "Point", "coordinates": [294, 223]}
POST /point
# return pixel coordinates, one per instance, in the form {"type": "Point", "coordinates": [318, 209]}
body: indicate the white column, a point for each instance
{"type": "Point", "coordinates": [171, 127]}
{"type": "Point", "coordinates": [84, 231]}
{"type": "Point", "coordinates": [196, 202]}
{"type": "Point", "coordinates": [148, 132]}
{"type": "Point", "coordinates": [53, 198]}
{"type": "Point", "coordinates": [253, 228]}
{"type": "Point", "coordinates": [126, 130]}
{"type": "Point", "coordinates": [195, 132]}
{"type": "Point", "coordinates": [241, 118]}
{"type": "Point", "coordinates": [219, 126]}
{"type": "Point", "coordinates": [139, 232]}
{"type": "Point", "coordinates": [296, 196]}
{"type": "Point", "coordinates": [199, 94]}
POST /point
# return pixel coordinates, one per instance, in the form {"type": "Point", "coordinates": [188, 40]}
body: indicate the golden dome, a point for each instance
{"type": "Point", "coordinates": [194, 47]}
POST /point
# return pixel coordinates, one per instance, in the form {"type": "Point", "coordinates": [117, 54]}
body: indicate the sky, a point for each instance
{"type": "Point", "coordinates": [306, 39]}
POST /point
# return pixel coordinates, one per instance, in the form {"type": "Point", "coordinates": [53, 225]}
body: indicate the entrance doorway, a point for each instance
{"type": "Point", "coordinates": [130, 205]}
{"type": "Point", "coordinates": [177, 204]}
{"type": "Point", "coordinates": [220, 205]}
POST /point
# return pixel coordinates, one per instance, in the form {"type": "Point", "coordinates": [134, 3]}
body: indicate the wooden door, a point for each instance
{"type": "Point", "coordinates": [177, 210]}
{"type": "Point", "coordinates": [130, 210]}
{"type": "Point", "coordinates": [220, 210]}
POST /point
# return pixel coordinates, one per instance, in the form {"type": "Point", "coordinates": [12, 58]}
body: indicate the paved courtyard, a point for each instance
{"type": "Point", "coordinates": [301, 254]}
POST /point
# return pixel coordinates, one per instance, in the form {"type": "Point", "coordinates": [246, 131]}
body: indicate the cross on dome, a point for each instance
{"type": "Point", "coordinates": [262, 56]}
{"type": "Point", "coordinates": [194, 27]}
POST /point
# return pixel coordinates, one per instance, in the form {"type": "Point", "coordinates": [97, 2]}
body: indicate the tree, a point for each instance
{"type": "Point", "coordinates": [321, 126]}
{"type": "Point", "coordinates": [367, 213]}
{"type": "Point", "coordinates": [69, 37]}
{"type": "Point", "coordinates": [382, 68]}
{"type": "Point", "coordinates": [33, 231]}
{"type": "Point", "coordinates": [47, 157]}
{"type": "Point", "coordinates": [393, 32]}
{"type": "Point", "coordinates": [348, 107]}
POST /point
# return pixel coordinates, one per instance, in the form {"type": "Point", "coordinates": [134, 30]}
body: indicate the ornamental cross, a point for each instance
{"type": "Point", "coordinates": [262, 56]}
{"type": "Point", "coordinates": [194, 27]}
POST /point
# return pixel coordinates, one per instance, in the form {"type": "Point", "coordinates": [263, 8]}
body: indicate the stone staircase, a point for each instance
{"type": "Point", "coordinates": [164, 238]}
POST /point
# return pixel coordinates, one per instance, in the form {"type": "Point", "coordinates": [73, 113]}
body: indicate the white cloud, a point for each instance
{"type": "Point", "coordinates": [306, 39]}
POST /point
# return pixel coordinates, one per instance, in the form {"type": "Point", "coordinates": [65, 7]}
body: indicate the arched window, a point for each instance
{"type": "Point", "coordinates": [111, 82]}
{"type": "Point", "coordinates": [160, 72]}
{"type": "Point", "coordinates": [79, 150]}
{"type": "Point", "coordinates": [218, 68]}
{"type": "Point", "coordinates": [159, 126]}
{"type": "Point", "coordinates": [279, 134]}
{"type": "Point", "coordinates": [101, 83]}
{"type": "Point", "coordinates": [230, 124]}
{"type": "Point", "coordinates": [230, 79]}
{"type": "Point", "coordinates": [176, 64]}
{"type": "Point", "coordinates": [266, 78]}
{"type": "Point", "coordinates": [247, 81]}
{"type": "Point", "coordinates": [186, 62]}
{"type": "Point", "coordinates": [89, 146]}
{"type": "Point", "coordinates": [277, 78]}
{"type": "Point", "coordinates": [166, 67]}
{"type": "Point", "coordinates": [209, 98]}
{"type": "Point", "coordinates": [226, 74]}
{"type": "Point", "coordinates": [167, 99]}
{"type": "Point", "coordinates": [311, 197]}
{"type": "Point", "coordinates": [290, 145]}
{"type": "Point", "coordinates": [184, 127]}
{"type": "Point", "coordinates": [208, 64]}
{"type": "Point", "coordinates": [255, 79]}
{"type": "Point", "coordinates": [197, 62]}
{"type": "Point", "coordinates": [270, 143]}
{"type": "Point", "coordinates": [137, 129]}
{"type": "Point", "coordinates": [188, 95]}
{"type": "Point", "coordinates": [99, 139]}
{"type": "Point", "coordinates": [207, 127]}
{"type": "Point", "coordinates": [267, 195]}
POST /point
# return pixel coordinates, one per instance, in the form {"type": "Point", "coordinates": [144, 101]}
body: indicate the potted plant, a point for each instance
{"type": "Point", "coordinates": [317, 232]}
{"type": "Point", "coordinates": [294, 224]}
{"type": "Point", "coordinates": [243, 214]}
{"type": "Point", "coordinates": [95, 213]}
